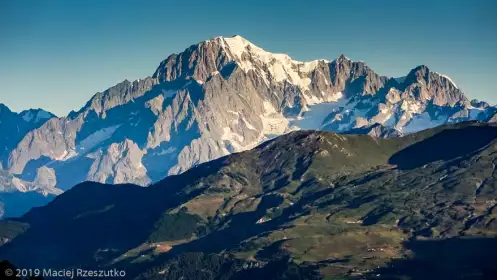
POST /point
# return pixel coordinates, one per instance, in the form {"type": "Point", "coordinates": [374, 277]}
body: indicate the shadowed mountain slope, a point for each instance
{"type": "Point", "coordinates": [334, 204]}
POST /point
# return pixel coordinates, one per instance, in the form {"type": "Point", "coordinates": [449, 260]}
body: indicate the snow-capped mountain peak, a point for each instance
{"type": "Point", "coordinates": [280, 67]}
{"type": "Point", "coordinates": [36, 115]}
{"type": "Point", "coordinates": [343, 58]}
{"type": "Point", "coordinates": [226, 95]}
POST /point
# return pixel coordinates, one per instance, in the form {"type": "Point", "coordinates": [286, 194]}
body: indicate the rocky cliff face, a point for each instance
{"type": "Point", "coordinates": [17, 196]}
{"type": "Point", "coordinates": [14, 126]}
{"type": "Point", "coordinates": [227, 95]}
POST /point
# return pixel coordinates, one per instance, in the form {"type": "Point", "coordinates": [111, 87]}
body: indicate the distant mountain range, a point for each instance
{"type": "Point", "coordinates": [306, 205]}
{"type": "Point", "coordinates": [15, 126]}
{"type": "Point", "coordinates": [217, 97]}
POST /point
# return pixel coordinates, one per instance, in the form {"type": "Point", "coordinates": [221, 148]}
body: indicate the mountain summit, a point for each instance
{"type": "Point", "coordinates": [227, 95]}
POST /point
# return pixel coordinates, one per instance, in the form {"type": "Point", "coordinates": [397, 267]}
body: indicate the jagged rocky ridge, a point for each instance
{"type": "Point", "coordinates": [350, 205]}
{"type": "Point", "coordinates": [227, 95]}
{"type": "Point", "coordinates": [13, 127]}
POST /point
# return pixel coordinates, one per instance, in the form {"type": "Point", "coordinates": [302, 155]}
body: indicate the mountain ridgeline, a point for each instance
{"type": "Point", "coordinates": [179, 116]}
{"type": "Point", "coordinates": [217, 97]}
{"type": "Point", "coordinates": [305, 205]}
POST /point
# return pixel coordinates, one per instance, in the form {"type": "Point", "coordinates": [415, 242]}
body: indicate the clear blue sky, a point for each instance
{"type": "Point", "coordinates": [57, 54]}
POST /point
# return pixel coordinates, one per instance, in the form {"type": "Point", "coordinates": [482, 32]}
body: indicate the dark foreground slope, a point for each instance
{"type": "Point", "coordinates": [306, 205]}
